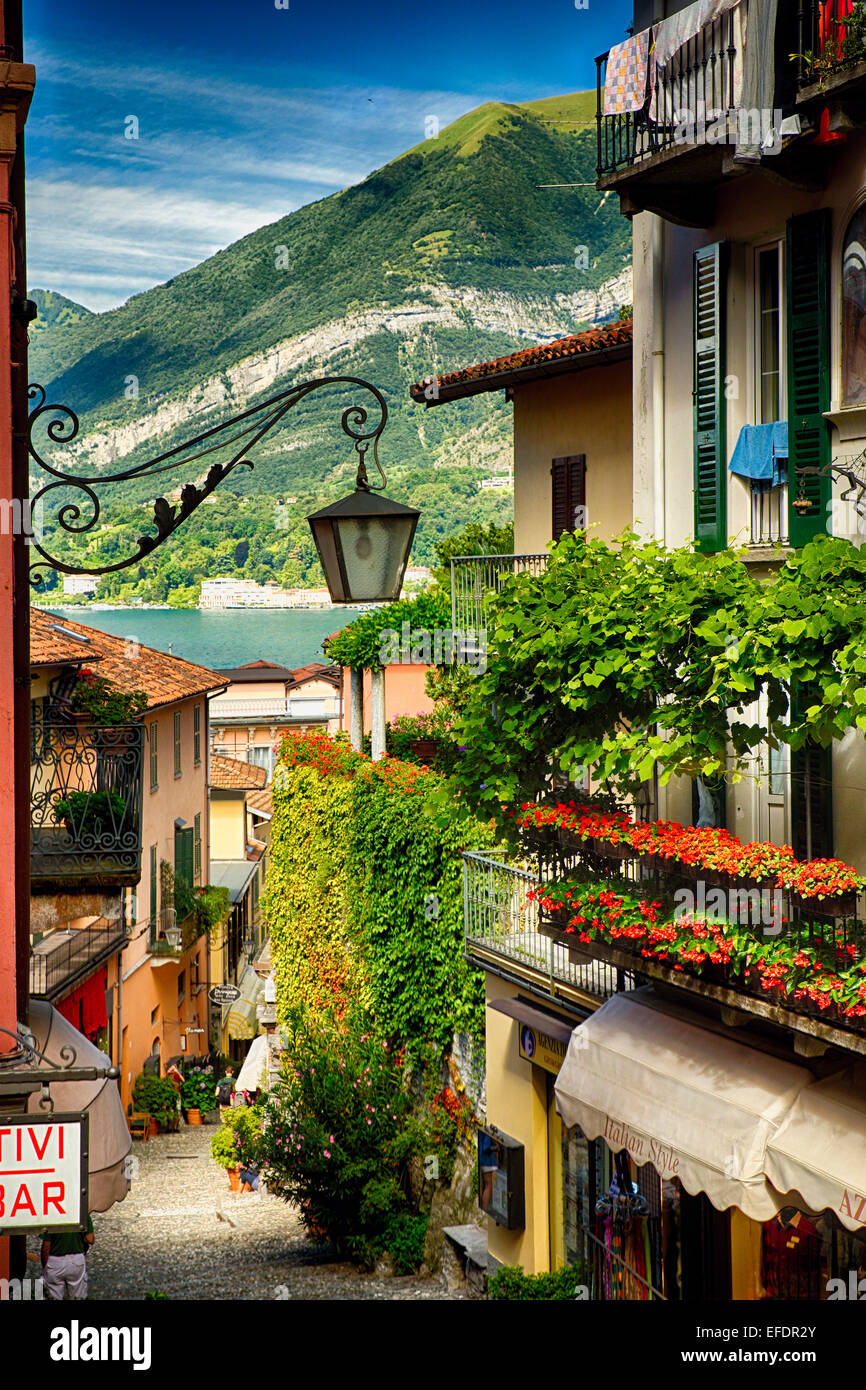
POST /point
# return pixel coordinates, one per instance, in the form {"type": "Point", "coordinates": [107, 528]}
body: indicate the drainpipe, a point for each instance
{"type": "Point", "coordinates": [658, 377]}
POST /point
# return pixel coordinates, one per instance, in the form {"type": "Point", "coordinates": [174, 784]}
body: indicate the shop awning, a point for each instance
{"type": "Point", "coordinates": [535, 1018]}
{"type": "Point", "coordinates": [819, 1151]}
{"type": "Point", "coordinates": [109, 1137]}
{"type": "Point", "coordinates": [242, 1021]}
{"type": "Point", "coordinates": [253, 1075]}
{"type": "Point", "coordinates": [695, 1104]}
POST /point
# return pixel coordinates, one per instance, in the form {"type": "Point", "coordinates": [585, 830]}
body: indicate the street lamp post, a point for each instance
{"type": "Point", "coordinates": [363, 541]}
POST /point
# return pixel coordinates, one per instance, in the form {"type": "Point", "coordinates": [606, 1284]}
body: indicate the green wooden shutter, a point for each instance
{"type": "Point", "coordinates": [808, 246]}
{"type": "Point", "coordinates": [710, 267]}
{"type": "Point", "coordinates": [811, 790]}
{"type": "Point", "coordinates": [154, 903]}
{"type": "Point", "coordinates": [183, 855]}
{"type": "Point", "coordinates": [196, 846]}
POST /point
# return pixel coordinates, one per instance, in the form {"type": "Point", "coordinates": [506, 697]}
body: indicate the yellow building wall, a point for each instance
{"type": "Point", "coordinates": [588, 412]}
{"type": "Point", "coordinates": [227, 828]}
{"type": "Point", "coordinates": [517, 1105]}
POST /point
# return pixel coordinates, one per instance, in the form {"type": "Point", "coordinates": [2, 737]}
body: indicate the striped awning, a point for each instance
{"type": "Point", "coordinates": [242, 1022]}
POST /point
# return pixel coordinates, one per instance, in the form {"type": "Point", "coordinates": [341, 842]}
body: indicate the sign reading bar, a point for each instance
{"type": "Point", "coordinates": [43, 1172]}
{"type": "Point", "coordinates": [224, 994]}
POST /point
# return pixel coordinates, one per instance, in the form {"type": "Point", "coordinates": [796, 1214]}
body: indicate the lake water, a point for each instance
{"type": "Point", "coordinates": [223, 637]}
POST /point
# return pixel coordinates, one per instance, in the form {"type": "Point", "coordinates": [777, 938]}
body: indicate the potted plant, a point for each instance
{"type": "Point", "coordinates": [197, 1094]}
{"type": "Point", "coordinates": [98, 701]}
{"type": "Point", "coordinates": [224, 1151]}
{"type": "Point", "coordinates": [156, 1096]}
{"type": "Point", "coordinates": [89, 812]}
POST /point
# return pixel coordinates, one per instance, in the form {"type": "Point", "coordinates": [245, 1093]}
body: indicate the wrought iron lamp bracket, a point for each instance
{"type": "Point", "coordinates": [18, 1072]}
{"type": "Point", "coordinates": [850, 467]}
{"type": "Point", "coordinates": [245, 430]}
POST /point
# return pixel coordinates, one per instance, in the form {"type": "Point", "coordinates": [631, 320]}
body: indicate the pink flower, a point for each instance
{"type": "Point", "coordinates": [327, 1153]}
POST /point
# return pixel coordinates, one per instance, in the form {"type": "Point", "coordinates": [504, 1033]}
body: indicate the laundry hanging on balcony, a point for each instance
{"type": "Point", "coordinates": [686, 90]}
{"type": "Point", "coordinates": [761, 453]}
{"type": "Point", "coordinates": [626, 75]}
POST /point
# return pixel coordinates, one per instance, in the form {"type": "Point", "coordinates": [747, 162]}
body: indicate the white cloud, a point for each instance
{"type": "Point", "coordinates": [99, 243]}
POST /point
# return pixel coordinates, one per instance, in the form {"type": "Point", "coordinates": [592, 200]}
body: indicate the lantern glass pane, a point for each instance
{"type": "Point", "coordinates": [374, 554]}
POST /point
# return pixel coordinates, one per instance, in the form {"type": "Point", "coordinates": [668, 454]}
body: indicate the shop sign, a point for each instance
{"type": "Point", "coordinates": [43, 1172]}
{"type": "Point", "coordinates": [194, 1030]}
{"type": "Point", "coordinates": [224, 994]}
{"type": "Point", "coordinates": [642, 1148]}
{"type": "Point", "coordinates": [540, 1048]}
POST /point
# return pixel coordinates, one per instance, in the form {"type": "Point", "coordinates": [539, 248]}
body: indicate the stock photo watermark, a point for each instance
{"type": "Point", "coordinates": [748, 906]}
{"type": "Point", "coordinates": [437, 646]}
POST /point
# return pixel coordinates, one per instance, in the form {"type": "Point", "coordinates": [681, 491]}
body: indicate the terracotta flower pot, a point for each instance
{"type": "Point", "coordinates": [234, 1179]}
{"type": "Point", "coordinates": [193, 1117]}
{"type": "Point", "coordinates": [153, 1128]}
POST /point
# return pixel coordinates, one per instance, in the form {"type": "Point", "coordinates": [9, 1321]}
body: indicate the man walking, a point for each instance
{"type": "Point", "coordinates": [225, 1091]}
{"type": "Point", "coordinates": [64, 1262]}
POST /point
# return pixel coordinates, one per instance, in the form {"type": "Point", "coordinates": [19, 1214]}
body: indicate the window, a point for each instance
{"type": "Point", "coordinates": [262, 755]}
{"type": "Point", "coordinates": [196, 846]}
{"type": "Point", "coordinates": [196, 735]}
{"type": "Point", "coordinates": [854, 311]}
{"type": "Point", "coordinates": [154, 1014]}
{"type": "Point", "coordinates": [154, 757]}
{"type": "Point", "coordinates": [177, 766]}
{"type": "Point", "coordinates": [154, 902]}
{"type": "Point", "coordinates": [569, 494]}
{"type": "Point", "coordinates": [811, 790]}
{"type": "Point", "coordinates": [183, 856]}
{"type": "Point", "coordinates": [769, 405]}
{"type": "Point", "coordinates": [181, 986]}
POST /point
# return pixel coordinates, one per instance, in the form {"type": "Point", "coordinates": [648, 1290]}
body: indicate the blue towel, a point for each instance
{"type": "Point", "coordinates": [761, 453]}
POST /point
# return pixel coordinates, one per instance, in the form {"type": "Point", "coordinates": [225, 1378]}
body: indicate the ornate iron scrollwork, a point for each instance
{"type": "Point", "coordinates": [851, 467]}
{"type": "Point", "coordinates": [236, 437]}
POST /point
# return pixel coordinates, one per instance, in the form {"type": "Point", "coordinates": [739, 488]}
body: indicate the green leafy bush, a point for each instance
{"type": "Point", "coordinates": [238, 1138]}
{"type": "Point", "coordinates": [104, 702]}
{"type": "Point", "coordinates": [340, 1131]}
{"type": "Point", "coordinates": [361, 643]}
{"type": "Point", "coordinates": [510, 1282]}
{"type": "Point", "coordinates": [155, 1096]}
{"type": "Point", "coordinates": [89, 812]}
{"type": "Point", "coordinates": [199, 1090]}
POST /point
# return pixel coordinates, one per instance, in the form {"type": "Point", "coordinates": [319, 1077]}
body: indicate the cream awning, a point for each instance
{"type": "Point", "coordinates": [695, 1104]}
{"type": "Point", "coordinates": [108, 1134]}
{"type": "Point", "coordinates": [242, 1022]}
{"type": "Point", "coordinates": [819, 1151]}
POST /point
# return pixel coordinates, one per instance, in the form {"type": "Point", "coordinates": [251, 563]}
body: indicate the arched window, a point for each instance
{"type": "Point", "coordinates": [854, 311]}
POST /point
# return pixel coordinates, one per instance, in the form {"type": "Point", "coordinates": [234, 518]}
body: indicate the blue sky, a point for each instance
{"type": "Point", "coordinates": [246, 111]}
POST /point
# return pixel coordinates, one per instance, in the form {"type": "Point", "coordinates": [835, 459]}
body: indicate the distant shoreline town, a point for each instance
{"type": "Point", "coordinates": [225, 591]}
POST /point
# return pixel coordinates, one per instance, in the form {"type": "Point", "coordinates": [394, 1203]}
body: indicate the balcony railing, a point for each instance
{"type": "Point", "coordinates": [832, 44]}
{"type": "Point", "coordinates": [85, 804]}
{"type": "Point", "coordinates": [169, 937]}
{"type": "Point", "coordinates": [63, 957]}
{"type": "Point", "coordinates": [476, 579]}
{"type": "Point", "coordinates": [769, 514]}
{"type": "Point", "coordinates": [501, 921]}
{"type": "Point", "coordinates": [700, 82]}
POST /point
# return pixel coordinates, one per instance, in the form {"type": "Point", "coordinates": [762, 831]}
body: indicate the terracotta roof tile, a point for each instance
{"type": "Point", "coordinates": [566, 354]}
{"type": "Point", "coordinates": [164, 679]}
{"type": "Point", "coordinates": [51, 646]}
{"type": "Point", "coordinates": [235, 774]}
{"type": "Point", "coordinates": [262, 802]}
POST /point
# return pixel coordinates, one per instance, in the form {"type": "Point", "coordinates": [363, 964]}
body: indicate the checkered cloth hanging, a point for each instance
{"type": "Point", "coordinates": [625, 79]}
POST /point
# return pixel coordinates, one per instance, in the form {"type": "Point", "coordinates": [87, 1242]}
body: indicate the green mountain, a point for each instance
{"type": "Point", "coordinates": [450, 254]}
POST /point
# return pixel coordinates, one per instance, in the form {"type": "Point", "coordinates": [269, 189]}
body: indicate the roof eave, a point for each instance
{"type": "Point", "coordinates": [516, 376]}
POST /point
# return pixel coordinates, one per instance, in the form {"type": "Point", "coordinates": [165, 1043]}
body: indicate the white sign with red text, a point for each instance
{"type": "Point", "coordinates": [41, 1172]}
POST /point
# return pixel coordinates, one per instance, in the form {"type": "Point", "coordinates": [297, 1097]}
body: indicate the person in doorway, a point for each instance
{"type": "Point", "coordinates": [64, 1262]}
{"type": "Point", "coordinates": [225, 1091]}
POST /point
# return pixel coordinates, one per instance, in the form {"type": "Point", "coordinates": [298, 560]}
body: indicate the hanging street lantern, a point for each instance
{"type": "Point", "coordinates": [363, 541]}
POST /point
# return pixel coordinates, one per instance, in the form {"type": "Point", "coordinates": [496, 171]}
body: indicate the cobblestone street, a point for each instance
{"type": "Point", "coordinates": [183, 1232]}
